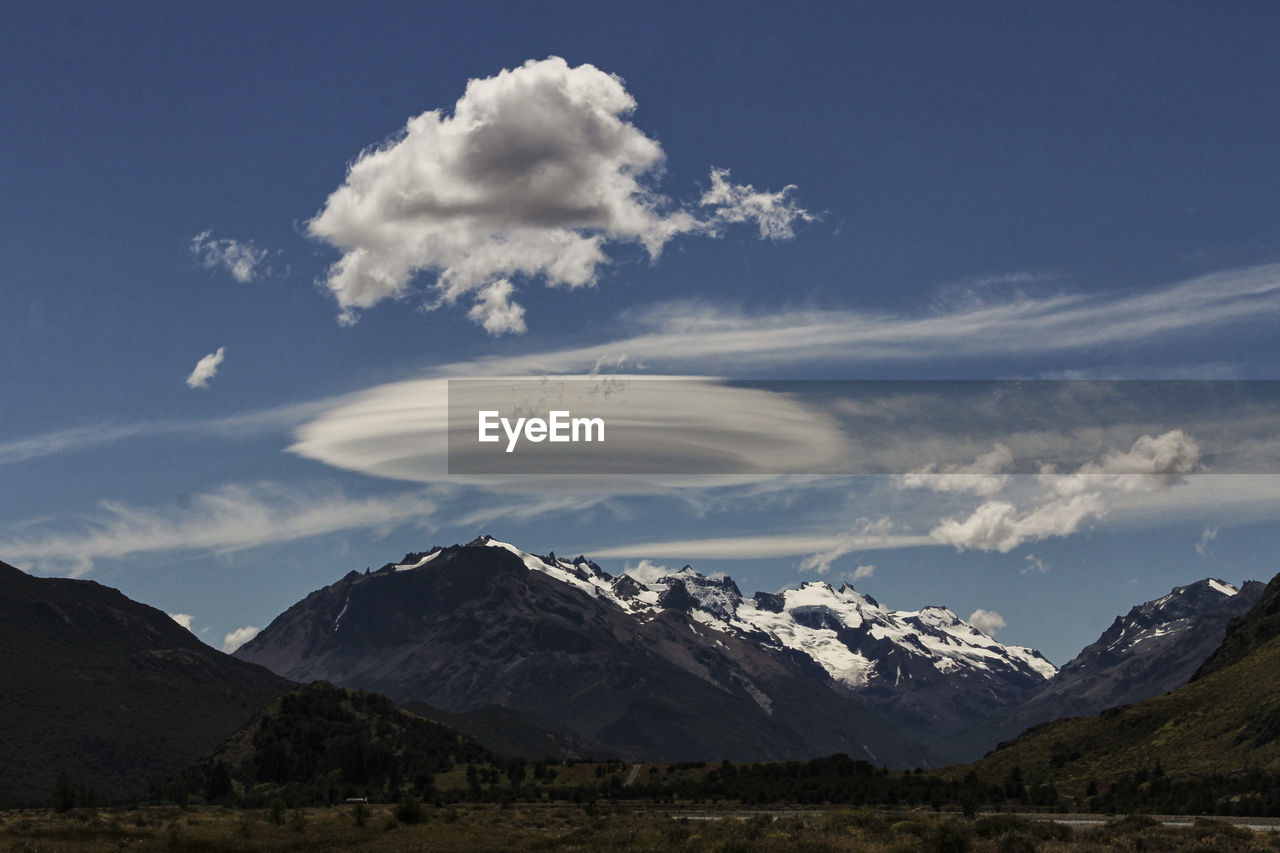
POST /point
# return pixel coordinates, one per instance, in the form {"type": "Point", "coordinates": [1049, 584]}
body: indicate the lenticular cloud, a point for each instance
{"type": "Point", "coordinates": [536, 172]}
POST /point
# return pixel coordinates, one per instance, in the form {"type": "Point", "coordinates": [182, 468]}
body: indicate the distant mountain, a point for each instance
{"type": "Point", "coordinates": [655, 668]}
{"type": "Point", "coordinates": [111, 691]}
{"type": "Point", "coordinates": [484, 624]}
{"type": "Point", "coordinates": [1226, 721]}
{"type": "Point", "coordinates": [321, 743]}
{"type": "Point", "coordinates": [1154, 648]}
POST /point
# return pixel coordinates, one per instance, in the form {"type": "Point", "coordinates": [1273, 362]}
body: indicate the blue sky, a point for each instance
{"type": "Point", "coordinates": [978, 191]}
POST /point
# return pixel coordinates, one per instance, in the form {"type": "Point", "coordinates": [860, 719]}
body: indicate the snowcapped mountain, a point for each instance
{"type": "Point", "coordinates": [1154, 648]}
{"type": "Point", "coordinates": [470, 627]}
{"type": "Point", "coordinates": [525, 621]}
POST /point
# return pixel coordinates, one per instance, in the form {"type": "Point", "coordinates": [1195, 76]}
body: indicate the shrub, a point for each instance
{"type": "Point", "coordinates": [409, 810]}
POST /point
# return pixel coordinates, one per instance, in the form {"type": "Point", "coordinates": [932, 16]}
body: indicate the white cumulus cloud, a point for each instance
{"type": "Point", "coordinates": [238, 638]}
{"type": "Point", "coordinates": [986, 621]}
{"type": "Point", "coordinates": [205, 369]}
{"type": "Point", "coordinates": [242, 259]}
{"type": "Point", "coordinates": [535, 172]}
{"type": "Point", "coordinates": [495, 311]}
{"type": "Point", "coordinates": [183, 619]}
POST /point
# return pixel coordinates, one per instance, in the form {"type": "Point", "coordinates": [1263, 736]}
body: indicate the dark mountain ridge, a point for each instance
{"type": "Point", "coordinates": [111, 691]}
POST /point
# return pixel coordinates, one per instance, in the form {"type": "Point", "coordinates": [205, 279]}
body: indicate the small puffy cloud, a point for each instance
{"type": "Point", "coordinates": [986, 621]}
{"type": "Point", "coordinates": [646, 572]}
{"type": "Point", "coordinates": [183, 619]}
{"type": "Point", "coordinates": [495, 311]}
{"type": "Point", "coordinates": [985, 476]}
{"type": "Point", "coordinates": [1067, 501]}
{"type": "Point", "coordinates": [243, 260]}
{"type": "Point", "coordinates": [238, 638]}
{"type": "Point", "coordinates": [206, 368]}
{"type": "Point", "coordinates": [862, 572]}
{"type": "Point", "coordinates": [1209, 534]}
{"type": "Point", "coordinates": [534, 174]}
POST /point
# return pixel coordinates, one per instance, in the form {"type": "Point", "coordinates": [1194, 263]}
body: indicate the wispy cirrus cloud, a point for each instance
{"type": "Point", "coordinates": [1206, 539]}
{"type": "Point", "coordinates": [754, 547]}
{"type": "Point", "coordinates": [1035, 564]}
{"type": "Point", "coordinates": [239, 426]}
{"type": "Point", "coordinates": [704, 338]}
{"type": "Point", "coordinates": [535, 173]}
{"type": "Point", "coordinates": [244, 260]}
{"type": "Point", "coordinates": [864, 531]}
{"type": "Point", "coordinates": [716, 337]}
{"type": "Point", "coordinates": [232, 518]}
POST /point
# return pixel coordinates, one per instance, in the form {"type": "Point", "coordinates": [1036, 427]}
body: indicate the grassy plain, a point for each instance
{"type": "Point", "coordinates": [552, 828]}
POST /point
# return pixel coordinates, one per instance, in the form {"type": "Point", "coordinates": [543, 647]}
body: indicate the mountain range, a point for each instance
{"type": "Point", "coordinates": [648, 668]}
{"type": "Point", "coordinates": [539, 655]}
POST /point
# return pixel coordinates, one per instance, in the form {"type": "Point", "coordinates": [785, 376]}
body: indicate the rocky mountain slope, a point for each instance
{"type": "Point", "coordinates": [113, 692]}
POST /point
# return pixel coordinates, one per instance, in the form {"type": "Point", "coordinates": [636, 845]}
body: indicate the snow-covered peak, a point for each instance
{"type": "Point", "coordinates": [1222, 587]}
